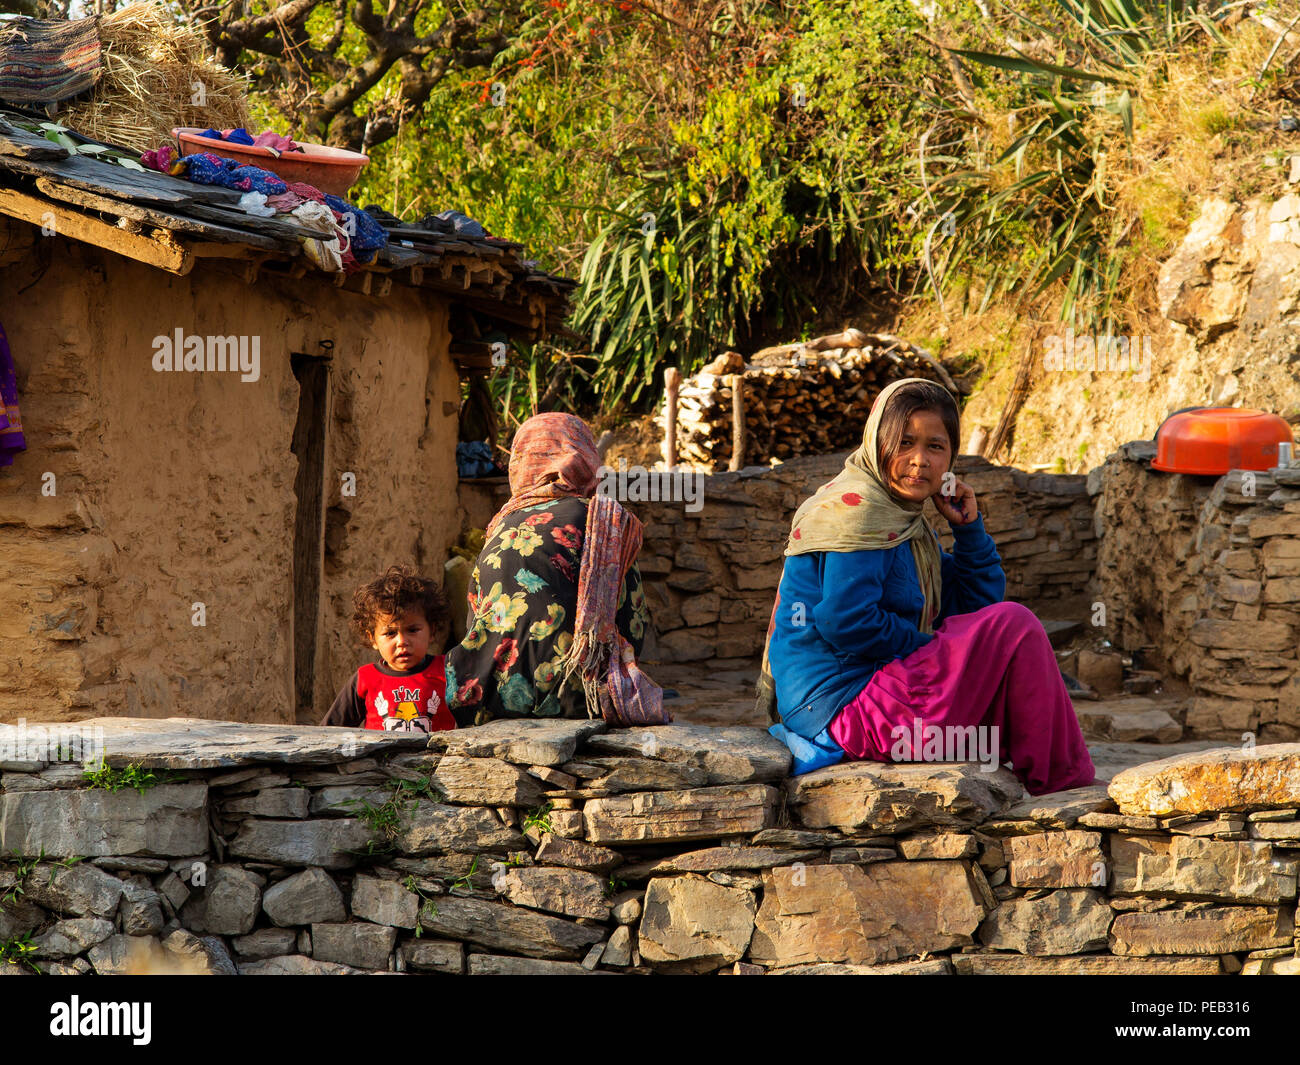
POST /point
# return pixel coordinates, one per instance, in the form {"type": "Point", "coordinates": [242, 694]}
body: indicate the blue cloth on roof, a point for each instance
{"type": "Point", "coordinates": [366, 234]}
{"type": "Point", "coordinates": [239, 135]}
{"type": "Point", "coordinates": [208, 169]}
{"type": "Point", "coordinates": [859, 611]}
{"type": "Point", "coordinates": [462, 224]}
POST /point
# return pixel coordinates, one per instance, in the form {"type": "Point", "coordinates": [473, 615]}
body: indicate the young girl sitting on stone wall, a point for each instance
{"type": "Point", "coordinates": [881, 643]}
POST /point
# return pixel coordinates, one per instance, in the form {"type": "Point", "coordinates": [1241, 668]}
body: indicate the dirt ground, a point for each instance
{"type": "Point", "coordinates": [639, 441]}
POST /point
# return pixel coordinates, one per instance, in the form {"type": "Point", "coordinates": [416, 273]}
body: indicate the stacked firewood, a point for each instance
{"type": "Point", "coordinates": [798, 399]}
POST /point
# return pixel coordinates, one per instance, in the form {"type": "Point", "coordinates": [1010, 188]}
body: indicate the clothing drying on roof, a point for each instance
{"type": "Point", "coordinates": [295, 196]}
{"type": "Point", "coordinates": [366, 234]}
{"type": "Point", "coordinates": [11, 426]}
{"type": "Point", "coordinates": [328, 251]}
{"type": "Point", "coordinates": [446, 223]}
{"type": "Point", "coordinates": [453, 221]}
{"type": "Point", "coordinates": [207, 169]}
{"type": "Point", "coordinates": [307, 192]}
{"type": "Point", "coordinates": [254, 203]}
{"type": "Point", "coordinates": [266, 194]}
{"type": "Point", "coordinates": [268, 139]}
{"type": "Point", "coordinates": [160, 159]}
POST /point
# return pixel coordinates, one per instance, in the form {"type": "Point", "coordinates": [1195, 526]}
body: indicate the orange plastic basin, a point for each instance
{"type": "Point", "coordinates": [1214, 440]}
{"type": "Point", "coordinates": [332, 170]}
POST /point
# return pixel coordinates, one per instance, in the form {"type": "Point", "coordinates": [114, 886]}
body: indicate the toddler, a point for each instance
{"type": "Point", "coordinates": [399, 615]}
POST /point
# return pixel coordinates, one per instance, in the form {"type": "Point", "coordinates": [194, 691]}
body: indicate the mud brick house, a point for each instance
{"type": "Point", "coordinates": [185, 541]}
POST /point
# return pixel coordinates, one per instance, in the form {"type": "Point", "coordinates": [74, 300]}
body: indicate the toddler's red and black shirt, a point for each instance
{"type": "Point", "coordinates": [381, 697]}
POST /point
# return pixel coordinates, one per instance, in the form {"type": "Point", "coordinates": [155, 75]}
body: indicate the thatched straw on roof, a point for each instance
{"type": "Point", "coordinates": [157, 75]}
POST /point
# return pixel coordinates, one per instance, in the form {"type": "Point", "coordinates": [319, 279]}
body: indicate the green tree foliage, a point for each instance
{"type": "Point", "coordinates": [351, 72]}
{"type": "Point", "coordinates": [717, 173]}
{"type": "Point", "coordinates": [710, 171]}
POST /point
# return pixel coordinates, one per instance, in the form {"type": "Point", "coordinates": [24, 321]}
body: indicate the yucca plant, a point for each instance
{"type": "Point", "coordinates": [659, 286]}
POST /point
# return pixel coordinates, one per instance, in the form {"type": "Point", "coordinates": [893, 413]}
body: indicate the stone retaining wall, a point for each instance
{"type": "Point", "coordinates": [711, 574]}
{"type": "Point", "coordinates": [1203, 575]}
{"type": "Point", "coordinates": [560, 847]}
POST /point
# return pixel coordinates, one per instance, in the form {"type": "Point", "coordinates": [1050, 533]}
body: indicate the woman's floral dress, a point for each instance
{"type": "Point", "coordinates": [522, 600]}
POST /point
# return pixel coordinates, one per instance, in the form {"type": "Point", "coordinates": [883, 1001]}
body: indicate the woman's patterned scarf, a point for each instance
{"type": "Point", "coordinates": [554, 455]}
{"type": "Point", "coordinates": [855, 511]}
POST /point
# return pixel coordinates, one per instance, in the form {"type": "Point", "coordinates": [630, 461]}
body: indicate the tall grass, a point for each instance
{"type": "Point", "coordinates": [1039, 214]}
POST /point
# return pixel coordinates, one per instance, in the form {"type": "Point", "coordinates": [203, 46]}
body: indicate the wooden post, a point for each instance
{"type": "Point", "coordinates": [671, 380]}
{"type": "Point", "coordinates": [736, 382]}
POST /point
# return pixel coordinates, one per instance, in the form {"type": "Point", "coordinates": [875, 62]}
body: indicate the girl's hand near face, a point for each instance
{"type": "Point", "coordinates": [959, 508]}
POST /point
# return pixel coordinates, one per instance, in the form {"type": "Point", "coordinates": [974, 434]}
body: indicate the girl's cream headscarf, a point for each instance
{"type": "Point", "coordinates": [855, 511]}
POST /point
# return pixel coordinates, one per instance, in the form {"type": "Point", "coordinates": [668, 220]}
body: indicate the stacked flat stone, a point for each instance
{"type": "Point", "coordinates": [1204, 574]}
{"type": "Point", "coordinates": [561, 847]}
{"type": "Point", "coordinates": [711, 575]}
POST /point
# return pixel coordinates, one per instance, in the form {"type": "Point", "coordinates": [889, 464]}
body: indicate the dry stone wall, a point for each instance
{"type": "Point", "coordinates": [711, 575]}
{"type": "Point", "coordinates": [711, 571]}
{"type": "Point", "coordinates": [558, 847]}
{"type": "Point", "coordinates": [1203, 575]}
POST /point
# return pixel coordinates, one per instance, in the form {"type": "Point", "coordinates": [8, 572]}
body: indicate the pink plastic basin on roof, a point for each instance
{"type": "Point", "coordinates": [332, 170]}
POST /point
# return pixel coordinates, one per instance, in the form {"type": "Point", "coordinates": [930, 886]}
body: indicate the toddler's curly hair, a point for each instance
{"type": "Point", "coordinates": [398, 590]}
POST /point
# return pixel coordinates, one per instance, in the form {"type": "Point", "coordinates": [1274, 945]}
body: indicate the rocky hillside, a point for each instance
{"type": "Point", "coordinates": [1225, 335]}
